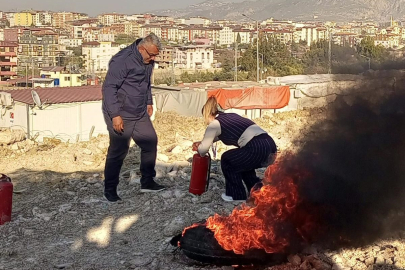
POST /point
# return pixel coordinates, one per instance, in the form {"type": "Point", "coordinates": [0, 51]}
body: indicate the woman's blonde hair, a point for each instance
{"type": "Point", "coordinates": [210, 109]}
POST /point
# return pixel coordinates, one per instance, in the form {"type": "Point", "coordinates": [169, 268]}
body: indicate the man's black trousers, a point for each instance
{"type": "Point", "coordinates": [144, 135]}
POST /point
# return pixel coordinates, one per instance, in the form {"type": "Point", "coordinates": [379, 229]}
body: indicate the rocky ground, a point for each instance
{"type": "Point", "coordinates": [61, 221]}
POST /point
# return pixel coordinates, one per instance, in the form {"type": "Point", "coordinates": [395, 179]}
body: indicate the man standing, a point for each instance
{"type": "Point", "coordinates": [127, 107]}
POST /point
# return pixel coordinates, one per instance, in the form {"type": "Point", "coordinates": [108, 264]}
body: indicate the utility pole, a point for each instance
{"type": "Point", "coordinates": [26, 74]}
{"type": "Point", "coordinates": [32, 72]}
{"type": "Point", "coordinates": [330, 54]}
{"type": "Point", "coordinates": [257, 45]}
{"type": "Point", "coordinates": [70, 68]}
{"type": "Point", "coordinates": [173, 74]}
{"type": "Point", "coordinates": [236, 61]}
{"type": "Point", "coordinates": [238, 40]}
{"type": "Point", "coordinates": [257, 50]}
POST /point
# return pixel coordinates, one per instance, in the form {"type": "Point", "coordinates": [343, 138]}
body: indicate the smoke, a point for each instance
{"type": "Point", "coordinates": [351, 173]}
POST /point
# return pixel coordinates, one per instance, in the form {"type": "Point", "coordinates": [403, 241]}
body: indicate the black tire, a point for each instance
{"type": "Point", "coordinates": [199, 244]}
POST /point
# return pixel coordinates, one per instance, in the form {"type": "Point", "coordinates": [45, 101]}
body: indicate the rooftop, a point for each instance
{"type": "Point", "coordinates": [56, 95]}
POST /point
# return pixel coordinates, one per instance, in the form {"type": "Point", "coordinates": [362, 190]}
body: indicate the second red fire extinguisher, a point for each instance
{"type": "Point", "coordinates": [200, 174]}
{"type": "Point", "coordinates": [6, 198]}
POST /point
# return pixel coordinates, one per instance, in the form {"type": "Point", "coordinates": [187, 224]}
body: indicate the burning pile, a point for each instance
{"type": "Point", "coordinates": [338, 190]}
{"type": "Point", "coordinates": [268, 222]}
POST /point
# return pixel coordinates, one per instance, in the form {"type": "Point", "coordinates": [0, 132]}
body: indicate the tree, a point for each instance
{"type": "Point", "coordinates": [277, 58]}
{"type": "Point", "coordinates": [367, 48]}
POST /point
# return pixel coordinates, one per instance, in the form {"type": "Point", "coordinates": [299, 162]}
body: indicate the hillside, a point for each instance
{"type": "Point", "coordinates": [346, 10]}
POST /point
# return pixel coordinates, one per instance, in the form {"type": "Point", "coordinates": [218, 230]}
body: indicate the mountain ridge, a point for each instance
{"type": "Point", "coordinates": [325, 10]}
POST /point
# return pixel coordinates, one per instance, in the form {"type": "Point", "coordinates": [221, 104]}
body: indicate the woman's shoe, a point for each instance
{"type": "Point", "coordinates": [230, 199]}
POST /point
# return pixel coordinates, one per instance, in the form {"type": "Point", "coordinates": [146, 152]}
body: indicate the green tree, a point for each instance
{"type": "Point", "coordinates": [277, 58]}
{"type": "Point", "coordinates": [367, 48]}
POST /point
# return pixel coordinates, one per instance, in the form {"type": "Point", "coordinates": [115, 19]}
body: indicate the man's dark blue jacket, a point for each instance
{"type": "Point", "coordinates": [127, 86]}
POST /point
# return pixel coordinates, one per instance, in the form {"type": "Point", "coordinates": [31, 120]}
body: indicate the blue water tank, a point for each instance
{"type": "Point", "coordinates": [43, 76]}
{"type": "Point", "coordinates": [56, 82]}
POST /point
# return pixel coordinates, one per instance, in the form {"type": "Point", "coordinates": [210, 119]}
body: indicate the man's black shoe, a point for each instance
{"type": "Point", "coordinates": [152, 186]}
{"type": "Point", "coordinates": [111, 196]}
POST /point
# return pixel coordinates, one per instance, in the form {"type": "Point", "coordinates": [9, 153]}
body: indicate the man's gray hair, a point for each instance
{"type": "Point", "coordinates": [151, 39]}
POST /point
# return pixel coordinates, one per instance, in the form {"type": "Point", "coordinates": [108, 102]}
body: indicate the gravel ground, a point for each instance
{"type": "Point", "coordinates": [60, 220]}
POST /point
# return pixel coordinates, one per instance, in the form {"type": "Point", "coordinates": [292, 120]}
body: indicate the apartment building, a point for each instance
{"type": "Point", "coordinates": [62, 77]}
{"type": "Point", "coordinates": [8, 61]}
{"type": "Point", "coordinates": [284, 36]}
{"type": "Point", "coordinates": [197, 21]}
{"type": "Point", "coordinates": [41, 18]}
{"type": "Point", "coordinates": [131, 28]}
{"type": "Point", "coordinates": [150, 28]}
{"type": "Point", "coordinates": [312, 34]}
{"type": "Point", "coordinates": [70, 42]}
{"type": "Point", "coordinates": [24, 18]}
{"type": "Point", "coordinates": [194, 57]}
{"type": "Point", "coordinates": [39, 46]}
{"type": "Point", "coordinates": [60, 19]}
{"type": "Point", "coordinates": [96, 55]}
{"type": "Point", "coordinates": [108, 19]}
{"type": "Point", "coordinates": [226, 36]}
{"type": "Point", "coordinates": [387, 40]}
{"type": "Point", "coordinates": [245, 35]}
{"type": "Point", "coordinates": [165, 58]}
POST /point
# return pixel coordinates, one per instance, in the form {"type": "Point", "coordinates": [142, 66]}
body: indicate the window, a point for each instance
{"type": "Point", "coordinates": [67, 79]}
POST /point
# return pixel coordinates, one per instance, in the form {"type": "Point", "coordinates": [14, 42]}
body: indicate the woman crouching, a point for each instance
{"type": "Point", "coordinates": [255, 149]}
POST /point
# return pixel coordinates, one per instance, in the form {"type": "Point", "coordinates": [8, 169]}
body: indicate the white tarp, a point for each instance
{"type": "Point", "coordinates": [187, 102]}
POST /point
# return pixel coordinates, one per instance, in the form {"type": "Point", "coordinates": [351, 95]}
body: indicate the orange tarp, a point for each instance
{"type": "Point", "coordinates": [274, 97]}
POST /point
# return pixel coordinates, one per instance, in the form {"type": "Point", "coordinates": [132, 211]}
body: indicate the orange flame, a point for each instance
{"type": "Point", "coordinates": [267, 224]}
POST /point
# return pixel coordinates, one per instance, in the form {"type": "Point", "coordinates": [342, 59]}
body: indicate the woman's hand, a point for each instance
{"type": "Point", "coordinates": [195, 146]}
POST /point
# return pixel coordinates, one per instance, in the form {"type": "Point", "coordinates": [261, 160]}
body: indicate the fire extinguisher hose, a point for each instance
{"type": "Point", "coordinates": [208, 172]}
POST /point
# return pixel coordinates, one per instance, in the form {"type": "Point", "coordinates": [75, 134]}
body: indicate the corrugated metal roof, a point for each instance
{"type": "Point", "coordinates": [54, 68]}
{"type": "Point", "coordinates": [56, 95]}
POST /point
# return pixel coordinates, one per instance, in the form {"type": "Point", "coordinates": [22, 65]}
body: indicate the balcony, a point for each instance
{"type": "Point", "coordinates": [8, 54]}
{"type": "Point", "coordinates": [8, 64]}
{"type": "Point", "coordinates": [8, 73]}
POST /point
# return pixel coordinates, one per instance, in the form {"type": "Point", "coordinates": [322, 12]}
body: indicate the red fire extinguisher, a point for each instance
{"type": "Point", "coordinates": [6, 198]}
{"type": "Point", "coordinates": [200, 174]}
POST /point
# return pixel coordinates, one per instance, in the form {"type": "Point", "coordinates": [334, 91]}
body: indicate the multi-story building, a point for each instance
{"type": "Point", "coordinates": [150, 28]}
{"type": "Point", "coordinates": [70, 42]}
{"type": "Point", "coordinates": [312, 34]}
{"type": "Point", "coordinates": [387, 40]}
{"type": "Point", "coordinates": [197, 21]}
{"type": "Point", "coordinates": [96, 55]}
{"type": "Point", "coordinates": [60, 19]}
{"type": "Point", "coordinates": [41, 18]}
{"type": "Point", "coordinates": [110, 18]}
{"type": "Point", "coordinates": [284, 36]}
{"type": "Point", "coordinates": [165, 58]}
{"type": "Point", "coordinates": [24, 18]}
{"type": "Point", "coordinates": [12, 34]}
{"type": "Point", "coordinates": [39, 46]}
{"type": "Point", "coordinates": [344, 39]}
{"type": "Point", "coordinates": [8, 61]}
{"type": "Point", "coordinates": [194, 57]}
{"type": "Point", "coordinates": [131, 28]}
{"type": "Point", "coordinates": [226, 36]}
{"type": "Point", "coordinates": [62, 77]}
{"type": "Point", "coordinates": [10, 18]}
{"type": "Point", "coordinates": [91, 34]}
{"type": "Point", "coordinates": [75, 28]}
{"type": "Point", "coordinates": [245, 35]}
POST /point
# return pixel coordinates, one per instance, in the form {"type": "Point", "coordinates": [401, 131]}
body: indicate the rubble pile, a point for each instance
{"type": "Point", "coordinates": [61, 221]}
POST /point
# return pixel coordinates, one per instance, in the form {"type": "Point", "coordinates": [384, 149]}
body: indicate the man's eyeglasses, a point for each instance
{"type": "Point", "coordinates": [150, 54]}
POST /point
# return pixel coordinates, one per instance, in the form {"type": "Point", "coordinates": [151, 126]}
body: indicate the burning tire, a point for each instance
{"type": "Point", "coordinates": [199, 244]}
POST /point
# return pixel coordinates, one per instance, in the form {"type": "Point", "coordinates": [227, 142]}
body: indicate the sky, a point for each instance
{"type": "Point", "coordinates": [94, 7]}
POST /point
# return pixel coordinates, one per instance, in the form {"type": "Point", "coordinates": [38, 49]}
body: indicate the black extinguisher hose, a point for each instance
{"type": "Point", "coordinates": [208, 172]}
